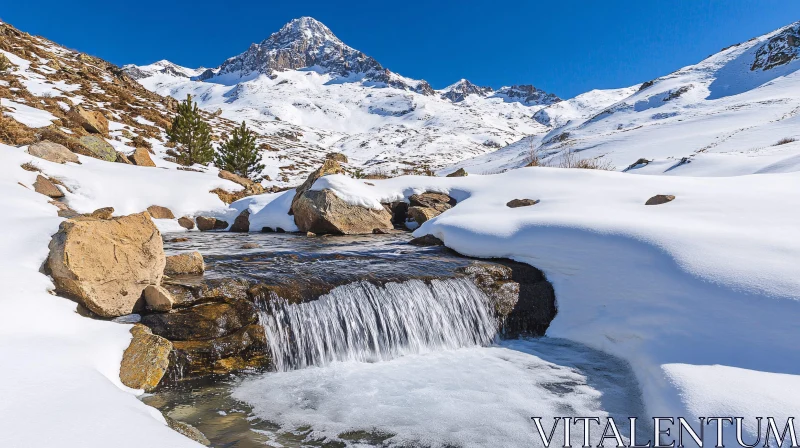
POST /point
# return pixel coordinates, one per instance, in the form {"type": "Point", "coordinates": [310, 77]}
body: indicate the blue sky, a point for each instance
{"type": "Point", "coordinates": [565, 47]}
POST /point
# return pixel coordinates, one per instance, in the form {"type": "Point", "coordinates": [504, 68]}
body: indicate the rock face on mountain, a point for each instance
{"type": "Point", "coordinates": [528, 94]}
{"type": "Point", "coordinates": [460, 90]}
{"type": "Point", "coordinates": [779, 50]}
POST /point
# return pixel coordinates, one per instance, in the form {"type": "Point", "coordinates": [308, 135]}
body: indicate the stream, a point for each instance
{"type": "Point", "coordinates": [395, 352]}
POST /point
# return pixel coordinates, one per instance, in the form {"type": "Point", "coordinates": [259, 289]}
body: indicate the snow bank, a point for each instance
{"type": "Point", "coordinates": [60, 370]}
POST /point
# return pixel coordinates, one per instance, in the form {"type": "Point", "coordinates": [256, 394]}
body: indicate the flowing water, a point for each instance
{"type": "Point", "coordinates": [391, 351]}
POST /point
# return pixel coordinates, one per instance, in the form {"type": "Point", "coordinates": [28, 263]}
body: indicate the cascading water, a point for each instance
{"type": "Point", "coordinates": [365, 322]}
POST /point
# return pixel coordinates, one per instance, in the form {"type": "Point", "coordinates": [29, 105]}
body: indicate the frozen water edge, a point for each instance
{"type": "Point", "coordinates": [470, 397]}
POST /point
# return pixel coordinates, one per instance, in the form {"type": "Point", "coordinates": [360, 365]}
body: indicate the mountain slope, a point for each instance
{"type": "Point", "coordinates": [735, 112]}
{"type": "Point", "coordinates": [305, 82]}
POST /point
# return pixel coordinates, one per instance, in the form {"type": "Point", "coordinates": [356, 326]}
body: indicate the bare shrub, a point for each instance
{"type": "Point", "coordinates": [571, 159]}
{"type": "Point", "coordinates": [785, 140]}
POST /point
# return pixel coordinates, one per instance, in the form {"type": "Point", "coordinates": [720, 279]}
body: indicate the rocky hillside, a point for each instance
{"type": "Point", "coordinates": [305, 82]}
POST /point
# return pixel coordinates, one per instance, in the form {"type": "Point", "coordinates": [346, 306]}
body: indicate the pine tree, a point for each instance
{"type": "Point", "coordinates": [191, 135]}
{"type": "Point", "coordinates": [239, 155]}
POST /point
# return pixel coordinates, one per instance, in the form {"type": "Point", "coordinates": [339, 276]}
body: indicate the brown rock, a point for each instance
{"type": "Point", "coordinates": [220, 224]}
{"type": "Point", "coordinates": [141, 157]}
{"type": "Point", "coordinates": [102, 213]}
{"type": "Point", "coordinates": [336, 156]}
{"type": "Point", "coordinates": [122, 158]}
{"type": "Point", "coordinates": [324, 212]}
{"type": "Point", "coordinates": [242, 222]}
{"type": "Point", "coordinates": [426, 240]}
{"type": "Point", "coordinates": [249, 246]}
{"type": "Point", "coordinates": [235, 178]}
{"type": "Point", "coordinates": [422, 214]}
{"type": "Point", "coordinates": [44, 186]}
{"type": "Point", "coordinates": [146, 359]}
{"type": "Point", "coordinates": [186, 222]}
{"type": "Point", "coordinates": [92, 121]}
{"type": "Point", "coordinates": [242, 349]}
{"type": "Point", "coordinates": [495, 281]}
{"type": "Point", "coordinates": [516, 203]}
{"type": "Point", "coordinates": [380, 231]}
{"type": "Point", "coordinates": [106, 264]}
{"type": "Point", "coordinates": [157, 298]}
{"type": "Point", "coordinates": [63, 210]}
{"type": "Point", "coordinates": [328, 167]}
{"type": "Point", "coordinates": [437, 201]}
{"type": "Point", "coordinates": [185, 264]}
{"type": "Point", "coordinates": [461, 172]}
{"type": "Point", "coordinates": [187, 430]}
{"type": "Point", "coordinates": [660, 199]}
{"type": "Point", "coordinates": [399, 211]}
{"type": "Point", "coordinates": [203, 322]}
{"type": "Point", "coordinates": [179, 240]}
{"type": "Point", "coordinates": [52, 152]}
{"type": "Point", "coordinates": [159, 212]}
{"type": "Point", "coordinates": [205, 223]}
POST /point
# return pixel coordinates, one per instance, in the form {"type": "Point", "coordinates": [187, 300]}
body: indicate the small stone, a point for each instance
{"type": "Point", "coordinates": [44, 186]}
{"type": "Point", "coordinates": [427, 240]}
{"type": "Point", "coordinates": [461, 172]}
{"type": "Point", "coordinates": [660, 199]}
{"type": "Point", "coordinates": [186, 222]}
{"type": "Point", "coordinates": [158, 298]}
{"type": "Point", "coordinates": [311, 234]}
{"type": "Point", "coordinates": [188, 431]}
{"type": "Point", "coordinates": [179, 240]}
{"type": "Point", "coordinates": [267, 230]}
{"type": "Point", "coordinates": [516, 203]}
{"type": "Point", "coordinates": [146, 359]}
{"type": "Point", "coordinates": [102, 213]}
{"type": "Point", "coordinates": [380, 231]}
{"type": "Point", "coordinates": [141, 157]}
{"type": "Point", "coordinates": [242, 222]}
{"type": "Point", "coordinates": [52, 152]}
{"type": "Point", "coordinates": [185, 264]}
{"type": "Point", "coordinates": [279, 230]}
{"type": "Point", "coordinates": [249, 246]}
{"type": "Point", "coordinates": [159, 212]}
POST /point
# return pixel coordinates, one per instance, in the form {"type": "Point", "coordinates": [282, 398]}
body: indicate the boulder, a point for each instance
{"type": "Point", "coordinates": [422, 214]}
{"type": "Point", "coordinates": [106, 264]}
{"type": "Point", "coordinates": [516, 203]}
{"type": "Point", "coordinates": [141, 157]}
{"type": "Point", "coordinates": [203, 322]}
{"type": "Point", "coordinates": [495, 281]}
{"type": "Point", "coordinates": [44, 186]}
{"type": "Point", "coordinates": [190, 263]}
{"type": "Point", "coordinates": [250, 188]}
{"type": "Point", "coordinates": [157, 298]}
{"type": "Point", "coordinates": [159, 212]}
{"type": "Point", "coordinates": [242, 222]}
{"type": "Point", "coordinates": [437, 201]}
{"type": "Point", "coordinates": [399, 211]}
{"type": "Point", "coordinates": [205, 223]}
{"type": "Point", "coordinates": [187, 430]}
{"type": "Point", "coordinates": [328, 167]}
{"type": "Point", "coordinates": [92, 121]}
{"type": "Point", "coordinates": [235, 178]}
{"type": "Point", "coordinates": [122, 158]}
{"type": "Point", "coordinates": [189, 292]}
{"type": "Point", "coordinates": [102, 213]}
{"type": "Point", "coordinates": [426, 240]}
{"type": "Point", "coordinates": [336, 156]}
{"type": "Point", "coordinates": [146, 359]}
{"type": "Point", "coordinates": [186, 222]}
{"type": "Point", "coordinates": [461, 172]}
{"type": "Point", "coordinates": [660, 199]}
{"type": "Point", "coordinates": [98, 148]}
{"type": "Point", "coordinates": [324, 212]}
{"type": "Point", "coordinates": [242, 349]}
{"type": "Point", "coordinates": [52, 152]}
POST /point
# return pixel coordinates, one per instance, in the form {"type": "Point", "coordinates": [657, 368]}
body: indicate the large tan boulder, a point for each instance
{"type": "Point", "coordinates": [190, 263]}
{"type": "Point", "coordinates": [52, 152]}
{"type": "Point", "coordinates": [92, 121]}
{"type": "Point", "coordinates": [141, 157]}
{"type": "Point", "coordinates": [44, 186]}
{"type": "Point", "coordinates": [159, 212]}
{"type": "Point", "coordinates": [422, 214]}
{"type": "Point", "coordinates": [146, 359]}
{"type": "Point", "coordinates": [106, 264]}
{"type": "Point", "coordinates": [330, 166]}
{"type": "Point", "coordinates": [324, 212]}
{"type": "Point", "coordinates": [97, 147]}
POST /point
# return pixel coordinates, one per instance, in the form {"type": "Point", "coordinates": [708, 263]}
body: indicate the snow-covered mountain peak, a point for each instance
{"type": "Point", "coordinates": [161, 67]}
{"type": "Point", "coordinates": [779, 50]}
{"type": "Point", "coordinates": [461, 89]}
{"type": "Point", "coordinates": [303, 29]}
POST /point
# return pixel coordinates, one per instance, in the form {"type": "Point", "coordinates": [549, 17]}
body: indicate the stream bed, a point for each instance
{"type": "Point", "coordinates": [394, 353]}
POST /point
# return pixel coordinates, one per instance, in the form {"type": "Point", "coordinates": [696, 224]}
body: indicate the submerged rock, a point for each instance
{"type": "Point", "coordinates": [106, 264]}
{"type": "Point", "coordinates": [190, 263]}
{"type": "Point", "coordinates": [146, 359]}
{"type": "Point", "coordinates": [187, 430]}
{"type": "Point", "coordinates": [323, 212]}
{"type": "Point", "coordinates": [242, 349]}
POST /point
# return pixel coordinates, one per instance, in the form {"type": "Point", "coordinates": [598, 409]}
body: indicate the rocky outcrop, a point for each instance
{"type": "Point", "coordinates": [157, 298]}
{"type": "Point", "coordinates": [536, 307]}
{"type": "Point", "coordinates": [203, 322]}
{"type": "Point", "coordinates": [92, 121]}
{"type": "Point", "coordinates": [159, 212]}
{"type": "Point", "coordinates": [495, 281]}
{"type": "Point", "coordinates": [107, 264]}
{"type": "Point", "coordinates": [190, 263]}
{"type": "Point", "coordinates": [44, 186]}
{"type": "Point", "coordinates": [242, 222]}
{"type": "Point", "coordinates": [141, 157]}
{"type": "Point", "coordinates": [250, 188]}
{"type": "Point", "coordinates": [52, 152]}
{"type": "Point", "coordinates": [206, 223]}
{"type": "Point", "coordinates": [186, 222]}
{"type": "Point", "coordinates": [660, 199]}
{"type": "Point", "coordinates": [461, 172]}
{"type": "Point", "coordinates": [336, 156]}
{"type": "Point", "coordinates": [94, 146]}
{"type": "Point", "coordinates": [146, 360]}
{"type": "Point", "coordinates": [323, 212]}
{"type": "Point", "coordinates": [516, 203]}
{"type": "Point", "coordinates": [330, 166]}
{"type": "Point", "coordinates": [242, 349]}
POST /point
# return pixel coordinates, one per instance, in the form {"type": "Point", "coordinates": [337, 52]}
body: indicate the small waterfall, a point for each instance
{"type": "Point", "coordinates": [368, 323]}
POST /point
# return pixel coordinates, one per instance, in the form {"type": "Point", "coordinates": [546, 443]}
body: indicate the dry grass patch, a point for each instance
{"type": "Point", "coordinates": [785, 140]}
